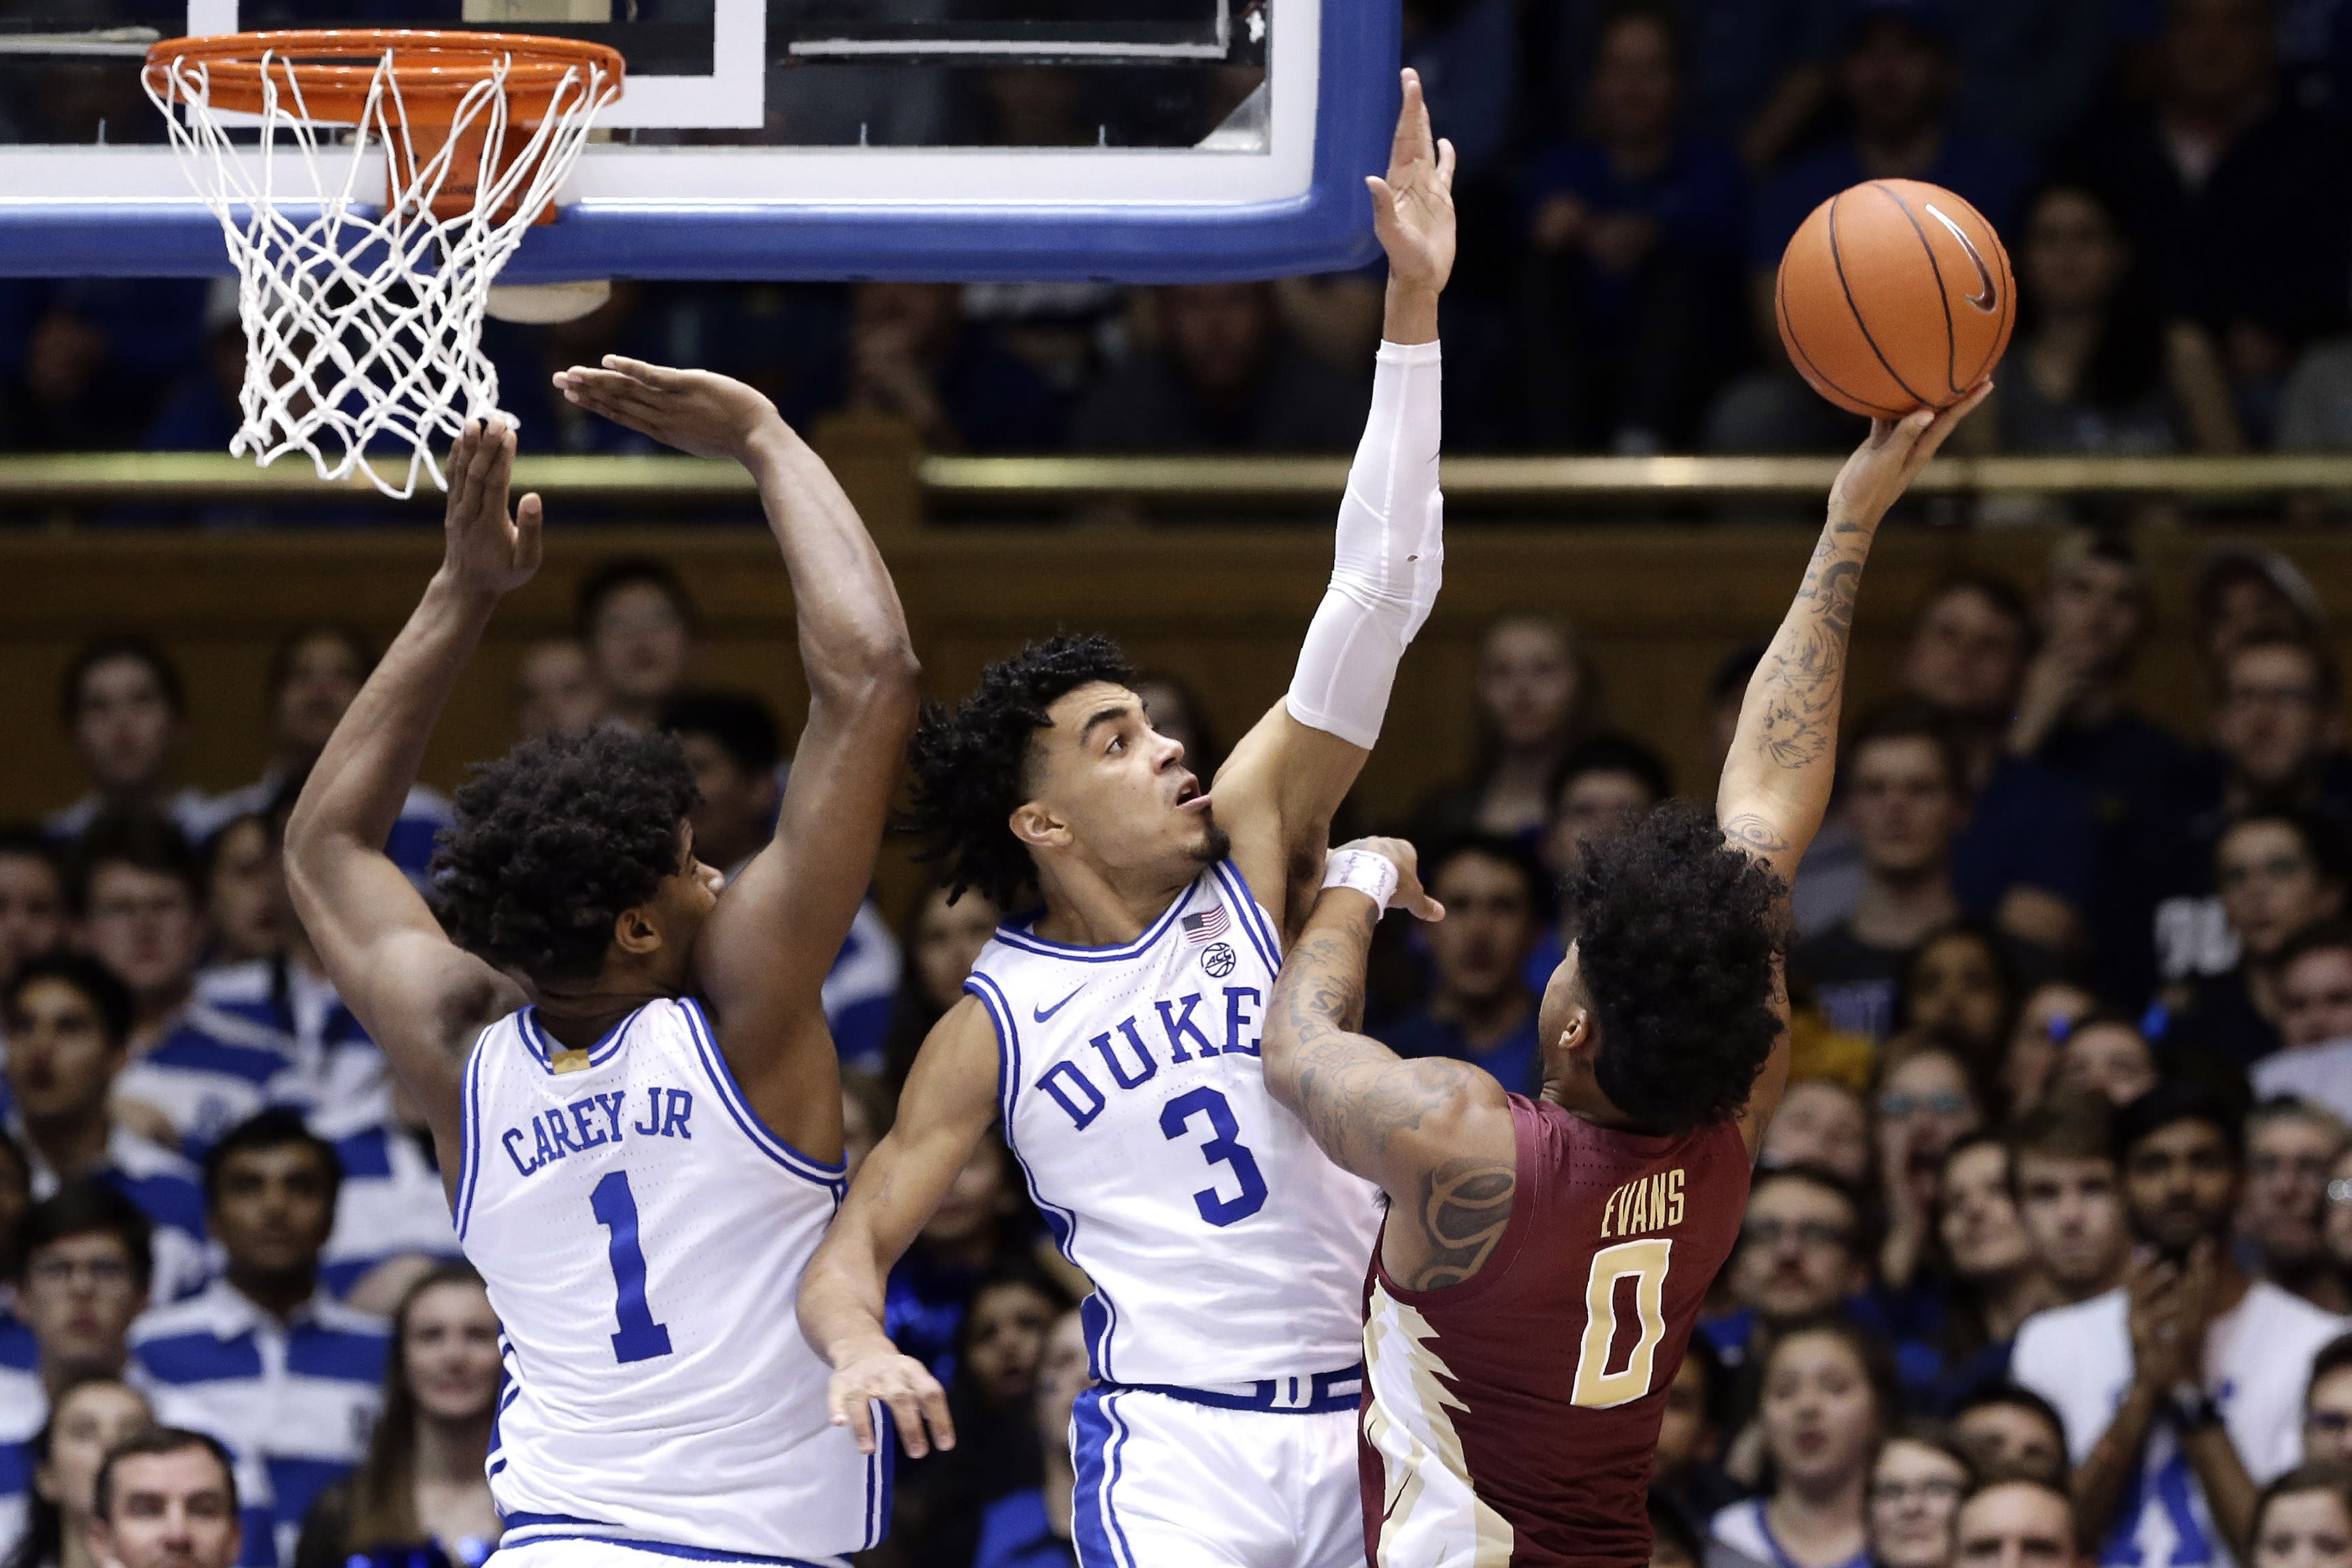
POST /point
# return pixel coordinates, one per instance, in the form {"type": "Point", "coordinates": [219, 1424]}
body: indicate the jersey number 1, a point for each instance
{"type": "Point", "coordinates": [615, 1208]}
{"type": "Point", "coordinates": [1597, 1387]}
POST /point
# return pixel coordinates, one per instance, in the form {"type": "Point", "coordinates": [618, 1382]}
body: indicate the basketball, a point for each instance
{"type": "Point", "coordinates": [1894, 295]}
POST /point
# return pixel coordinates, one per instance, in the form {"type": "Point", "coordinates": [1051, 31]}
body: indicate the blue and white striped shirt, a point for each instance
{"type": "Point", "coordinates": [215, 1068]}
{"type": "Point", "coordinates": [166, 1188]}
{"type": "Point", "coordinates": [391, 1205]}
{"type": "Point", "coordinates": [295, 1401]}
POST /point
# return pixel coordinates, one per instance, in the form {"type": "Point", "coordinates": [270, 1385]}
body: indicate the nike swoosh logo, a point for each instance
{"type": "Point", "coordinates": [1042, 1014]}
{"type": "Point", "coordinates": [1985, 298]}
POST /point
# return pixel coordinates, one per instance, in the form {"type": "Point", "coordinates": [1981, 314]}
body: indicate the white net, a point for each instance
{"type": "Point", "coordinates": [363, 322]}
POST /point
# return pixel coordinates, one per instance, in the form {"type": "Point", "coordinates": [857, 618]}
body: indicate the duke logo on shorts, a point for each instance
{"type": "Point", "coordinates": [1227, 1253]}
{"type": "Point", "coordinates": [643, 1235]}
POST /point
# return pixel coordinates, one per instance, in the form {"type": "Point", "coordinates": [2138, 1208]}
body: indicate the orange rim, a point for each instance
{"type": "Point", "coordinates": [334, 67]}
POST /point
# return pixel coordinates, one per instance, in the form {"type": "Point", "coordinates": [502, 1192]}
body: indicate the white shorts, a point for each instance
{"type": "Point", "coordinates": [585, 1551]}
{"type": "Point", "coordinates": [1166, 1483]}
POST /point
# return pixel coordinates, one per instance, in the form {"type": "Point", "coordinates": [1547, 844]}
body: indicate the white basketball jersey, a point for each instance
{"type": "Point", "coordinates": [1224, 1247]}
{"type": "Point", "coordinates": [643, 1235]}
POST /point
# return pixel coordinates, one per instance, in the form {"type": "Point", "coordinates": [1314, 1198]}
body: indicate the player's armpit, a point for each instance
{"type": "Point", "coordinates": [947, 1105]}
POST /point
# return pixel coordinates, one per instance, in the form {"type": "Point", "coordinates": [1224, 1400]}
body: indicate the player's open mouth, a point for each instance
{"type": "Point", "coordinates": [1188, 796]}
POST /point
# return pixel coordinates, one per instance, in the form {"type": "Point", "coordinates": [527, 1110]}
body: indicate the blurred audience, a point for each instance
{"type": "Point", "coordinates": [126, 713]}
{"type": "Point", "coordinates": [1482, 1009]}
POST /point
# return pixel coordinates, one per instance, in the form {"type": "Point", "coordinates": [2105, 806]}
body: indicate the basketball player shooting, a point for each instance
{"type": "Point", "coordinates": [626, 1065]}
{"type": "Point", "coordinates": [1542, 1263]}
{"type": "Point", "coordinates": [1115, 1034]}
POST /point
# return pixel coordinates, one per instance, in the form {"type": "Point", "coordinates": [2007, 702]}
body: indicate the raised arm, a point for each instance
{"type": "Point", "coordinates": [1435, 1134]}
{"type": "Point", "coordinates": [418, 995]}
{"type": "Point", "coordinates": [1277, 793]}
{"type": "Point", "coordinates": [762, 963]}
{"type": "Point", "coordinates": [947, 1105]}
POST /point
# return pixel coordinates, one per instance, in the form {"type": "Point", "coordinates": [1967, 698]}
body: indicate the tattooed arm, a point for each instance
{"type": "Point", "coordinates": [1777, 776]}
{"type": "Point", "coordinates": [1435, 1134]}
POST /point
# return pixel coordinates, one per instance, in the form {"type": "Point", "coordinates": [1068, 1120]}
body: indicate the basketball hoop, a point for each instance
{"type": "Point", "coordinates": [364, 324]}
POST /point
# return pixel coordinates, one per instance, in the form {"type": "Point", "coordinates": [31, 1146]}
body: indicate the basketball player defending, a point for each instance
{"type": "Point", "coordinates": [625, 1066]}
{"type": "Point", "coordinates": [1116, 1033]}
{"type": "Point", "coordinates": [1542, 1262]}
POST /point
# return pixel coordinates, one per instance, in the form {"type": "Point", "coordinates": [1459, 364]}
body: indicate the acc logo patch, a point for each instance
{"type": "Point", "coordinates": [1218, 960]}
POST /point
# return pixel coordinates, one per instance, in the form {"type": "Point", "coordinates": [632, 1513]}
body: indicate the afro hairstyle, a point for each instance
{"type": "Point", "coordinates": [971, 763]}
{"type": "Point", "coordinates": [1676, 935]}
{"type": "Point", "coordinates": [553, 840]}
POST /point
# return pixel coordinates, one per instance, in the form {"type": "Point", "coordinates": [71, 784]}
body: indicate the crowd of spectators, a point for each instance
{"type": "Point", "coordinates": [2062, 1189]}
{"type": "Point", "coordinates": [2173, 178]}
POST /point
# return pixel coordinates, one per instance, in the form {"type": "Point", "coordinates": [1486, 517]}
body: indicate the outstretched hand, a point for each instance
{"type": "Point", "coordinates": [1886, 462]}
{"type": "Point", "coordinates": [696, 411]}
{"type": "Point", "coordinates": [483, 549]}
{"type": "Point", "coordinates": [1410, 896]}
{"type": "Point", "coordinates": [1412, 208]}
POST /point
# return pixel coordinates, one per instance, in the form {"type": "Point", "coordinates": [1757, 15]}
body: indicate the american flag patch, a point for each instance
{"type": "Point", "coordinates": [1206, 926]}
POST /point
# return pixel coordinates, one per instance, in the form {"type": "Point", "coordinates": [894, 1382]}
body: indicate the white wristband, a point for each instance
{"type": "Point", "coordinates": [1374, 876]}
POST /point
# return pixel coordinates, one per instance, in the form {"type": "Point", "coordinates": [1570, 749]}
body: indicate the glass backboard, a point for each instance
{"type": "Point", "coordinates": [1136, 140]}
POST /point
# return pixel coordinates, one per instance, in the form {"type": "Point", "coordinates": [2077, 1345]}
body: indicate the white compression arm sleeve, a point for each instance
{"type": "Point", "coordinates": [1391, 554]}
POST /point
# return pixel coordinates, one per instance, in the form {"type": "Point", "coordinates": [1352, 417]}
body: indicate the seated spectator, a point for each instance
{"type": "Point", "coordinates": [1483, 1011]}
{"type": "Point", "coordinates": [2070, 717]}
{"type": "Point", "coordinates": [93, 1414]}
{"type": "Point", "coordinates": [556, 691]}
{"type": "Point", "coordinates": [101, 352]}
{"type": "Point", "coordinates": [2315, 1008]}
{"type": "Point", "coordinates": [2143, 1423]}
{"type": "Point", "coordinates": [314, 675]}
{"type": "Point", "coordinates": [167, 1498]}
{"type": "Point", "coordinates": [68, 1019]}
{"type": "Point", "coordinates": [1906, 796]}
{"type": "Point", "coordinates": [992, 1402]}
{"type": "Point", "coordinates": [1221, 376]}
{"type": "Point", "coordinates": [1894, 77]}
{"type": "Point", "coordinates": [2063, 1176]}
{"type": "Point", "coordinates": [85, 1262]}
{"type": "Point", "coordinates": [264, 1358]}
{"type": "Point", "coordinates": [1820, 1122]}
{"type": "Point", "coordinates": [2277, 873]}
{"type": "Point", "coordinates": [2274, 750]}
{"type": "Point", "coordinates": [1829, 1397]}
{"type": "Point", "coordinates": [1802, 1253]}
{"type": "Point", "coordinates": [942, 943]}
{"type": "Point", "coordinates": [245, 896]}
{"type": "Point", "coordinates": [914, 356]}
{"type": "Point", "coordinates": [2327, 1404]}
{"type": "Point", "coordinates": [1928, 1101]}
{"type": "Point", "coordinates": [419, 1496]}
{"type": "Point", "coordinates": [1690, 1439]}
{"type": "Point", "coordinates": [1634, 229]}
{"type": "Point", "coordinates": [126, 712]}
{"type": "Point", "coordinates": [2044, 1019]}
{"type": "Point", "coordinates": [2108, 1056]}
{"type": "Point", "coordinates": [2233, 192]}
{"type": "Point", "coordinates": [1604, 782]}
{"type": "Point", "coordinates": [2009, 1430]}
{"type": "Point", "coordinates": [1916, 1483]}
{"type": "Point", "coordinates": [976, 1227]}
{"type": "Point", "coordinates": [639, 624]}
{"type": "Point", "coordinates": [2290, 1148]}
{"type": "Point", "coordinates": [1960, 985]}
{"type": "Point", "coordinates": [1032, 1529]}
{"type": "Point", "coordinates": [1535, 700]}
{"type": "Point", "coordinates": [2335, 1224]}
{"type": "Point", "coordinates": [2009, 1520]}
{"type": "Point", "coordinates": [391, 1212]}
{"type": "Point", "coordinates": [2303, 1519]}
{"type": "Point", "coordinates": [138, 898]}
{"type": "Point", "coordinates": [1997, 1280]}
{"type": "Point", "coordinates": [32, 899]}
{"type": "Point", "coordinates": [2026, 857]}
{"type": "Point", "coordinates": [2097, 368]}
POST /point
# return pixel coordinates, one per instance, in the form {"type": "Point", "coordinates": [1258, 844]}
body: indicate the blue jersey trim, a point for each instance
{"type": "Point", "coordinates": [714, 1062]}
{"type": "Point", "coordinates": [659, 1548]}
{"type": "Point", "coordinates": [1245, 910]}
{"type": "Point", "coordinates": [1101, 1323]}
{"type": "Point", "coordinates": [1095, 1441]}
{"type": "Point", "coordinates": [1317, 1395]}
{"type": "Point", "coordinates": [1014, 936]}
{"type": "Point", "coordinates": [469, 1137]}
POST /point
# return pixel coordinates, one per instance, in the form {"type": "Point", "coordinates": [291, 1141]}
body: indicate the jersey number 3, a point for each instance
{"type": "Point", "coordinates": [615, 1208]}
{"type": "Point", "coordinates": [1597, 1387]}
{"type": "Point", "coordinates": [1224, 1148]}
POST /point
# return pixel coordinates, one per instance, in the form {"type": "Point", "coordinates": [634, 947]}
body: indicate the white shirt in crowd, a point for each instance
{"type": "Point", "coordinates": [2321, 1074]}
{"type": "Point", "coordinates": [2257, 1362]}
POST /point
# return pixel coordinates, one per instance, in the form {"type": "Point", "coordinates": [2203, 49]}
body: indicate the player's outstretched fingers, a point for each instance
{"type": "Point", "coordinates": [852, 1409]}
{"type": "Point", "coordinates": [660, 377]}
{"type": "Point", "coordinates": [907, 1415]}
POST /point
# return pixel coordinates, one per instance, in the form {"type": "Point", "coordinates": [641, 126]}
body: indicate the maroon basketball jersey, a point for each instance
{"type": "Point", "coordinates": [1511, 1421]}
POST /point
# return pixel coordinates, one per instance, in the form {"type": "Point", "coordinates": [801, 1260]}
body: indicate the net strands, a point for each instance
{"type": "Point", "coordinates": [363, 324]}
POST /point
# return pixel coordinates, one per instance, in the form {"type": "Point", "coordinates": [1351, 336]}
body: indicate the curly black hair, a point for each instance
{"type": "Point", "coordinates": [553, 840]}
{"type": "Point", "coordinates": [971, 763]}
{"type": "Point", "coordinates": [1676, 932]}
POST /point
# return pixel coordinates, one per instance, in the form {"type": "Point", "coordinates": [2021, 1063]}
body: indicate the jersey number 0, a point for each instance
{"type": "Point", "coordinates": [1645, 1261]}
